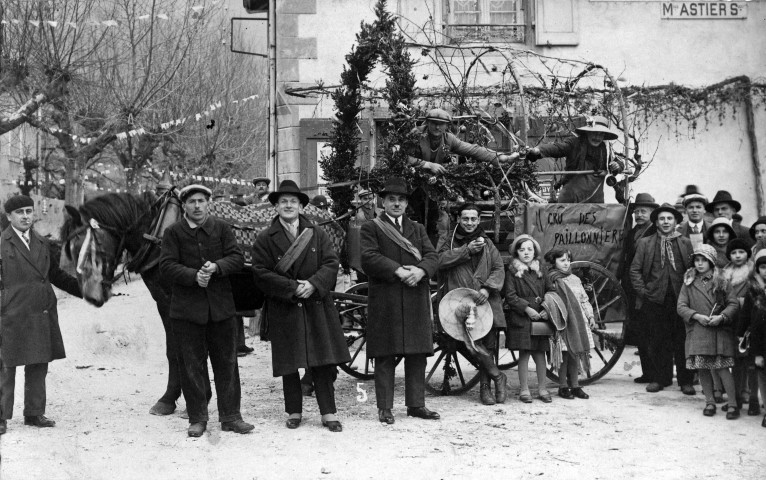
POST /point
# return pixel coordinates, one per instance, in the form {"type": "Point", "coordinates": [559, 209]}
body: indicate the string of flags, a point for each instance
{"type": "Point", "coordinates": [164, 125]}
{"type": "Point", "coordinates": [200, 178]}
{"type": "Point", "coordinates": [105, 22]}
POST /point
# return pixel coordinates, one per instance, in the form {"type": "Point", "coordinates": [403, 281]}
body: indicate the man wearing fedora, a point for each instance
{"type": "Point", "coordinates": [656, 274]}
{"type": "Point", "coordinates": [586, 151]}
{"type": "Point", "coordinates": [199, 252]}
{"type": "Point", "coordinates": [695, 226]}
{"type": "Point", "coordinates": [29, 328]}
{"type": "Point", "coordinates": [636, 332]}
{"type": "Point", "coordinates": [399, 259]}
{"type": "Point", "coordinates": [469, 259]}
{"type": "Point", "coordinates": [296, 268]}
{"type": "Point", "coordinates": [723, 205]}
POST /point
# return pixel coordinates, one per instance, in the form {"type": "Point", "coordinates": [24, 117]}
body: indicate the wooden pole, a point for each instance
{"type": "Point", "coordinates": [750, 116]}
{"type": "Point", "coordinates": [272, 164]}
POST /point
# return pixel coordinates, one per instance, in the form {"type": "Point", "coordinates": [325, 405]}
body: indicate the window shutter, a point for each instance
{"type": "Point", "coordinates": [557, 22]}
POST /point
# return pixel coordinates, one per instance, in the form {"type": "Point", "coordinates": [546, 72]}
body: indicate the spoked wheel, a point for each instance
{"type": "Point", "coordinates": [452, 370]}
{"type": "Point", "coordinates": [610, 308]}
{"type": "Point", "coordinates": [506, 359]}
{"type": "Point", "coordinates": [352, 308]}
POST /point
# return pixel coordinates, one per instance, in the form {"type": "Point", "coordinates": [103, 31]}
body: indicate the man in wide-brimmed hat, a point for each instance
{"type": "Point", "coordinates": [723, 205]}
{"type": "Point", "coordinates": [469, 259]}
{"type": "Point", "coordinates": [656, 274]}
{"type": "Point", "coordinates": [296, 268]}
{"type": "Point", "coordinates": [636, 331]}
{"type": "Point", "coordinates": [694, 227]}
{"type": "Point", "coordinates": [586, 151]}
{"type": "Point", "coordinates": [398, 258]}
{"type": "Point", "coordinates": [199, 253]}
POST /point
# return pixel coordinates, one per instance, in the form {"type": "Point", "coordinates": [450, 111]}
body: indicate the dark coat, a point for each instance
{"type": "Point", "coordinates": [399, 317]}
{"type": "Point", "coordinates": [683, 228]}
{"type": "Point", "coordinates": [450, 144]}
{"type": "Point", "coordinates": [29, 325]}
{"type": "Point", "coordinates": [753, 317]}
{"type": "Point", "coordinates": [524, 288]}
{"type": "Point", "coordinates": [303, 332]}
{"type": "Point", "coordinates": [184, 251]}
{"type": "Point", "coordinates": [641, 268]}
{"type": "Point", "coordinates": [588, 188]}
{"type": "Point", "coordinates": [700, 339]}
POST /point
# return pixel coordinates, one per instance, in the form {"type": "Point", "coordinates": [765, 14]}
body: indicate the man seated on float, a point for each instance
{"type": "Point", "coordinates": [585, 152]}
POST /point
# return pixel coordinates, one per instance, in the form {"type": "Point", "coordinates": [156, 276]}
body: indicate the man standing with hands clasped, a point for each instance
{"type": "Point", "coordinates": [198, 254]}
{"type": "Point", "coordinates": [398, 258]}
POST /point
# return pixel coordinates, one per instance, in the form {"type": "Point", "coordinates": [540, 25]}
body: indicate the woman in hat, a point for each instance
{"type": "Point", "coordinates": [718, 236]}
{"type": "Point", "coordinates": [525, 286]}
{"type": "Point", "coordinates": [753, 320]}
{"type": "Point", "coordinates": [586, 151]}
{"type": "Point", "coordinates": [708, 311]}
{"type": "Point", "coordinates": [758, 234]}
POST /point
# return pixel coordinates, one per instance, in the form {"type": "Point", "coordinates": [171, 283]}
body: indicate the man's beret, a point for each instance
{"type": "Point", "coordinates": [18, 201]}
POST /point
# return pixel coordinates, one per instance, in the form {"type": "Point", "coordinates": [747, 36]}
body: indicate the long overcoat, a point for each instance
{"type": "Point", "coordinates": [524, 287]}
{"type": "Point", "coordinates": [303, 332]}
{"type": "Point", "coordinates": [399, 317]}
{"type": "Point", "coordinates": [701, 340]}
{"type": "Point", "coordinates": [753, 317]}
{"type": "Point", "coordinates": [184, 251]}
{"type": "Point", "coordinates": [29, 326]}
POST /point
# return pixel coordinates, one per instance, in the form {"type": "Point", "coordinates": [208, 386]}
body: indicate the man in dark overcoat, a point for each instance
{"type": "Point", "coordinates": [656, 274]}
{"type": "Point", "coordinates": [296, 268]}
{"type": "Point", "coordinates": [398, 258]}
{"type": "Point", "coordinates": [29, 327]}
{"type": "Point", "coordinates": [199, 252]}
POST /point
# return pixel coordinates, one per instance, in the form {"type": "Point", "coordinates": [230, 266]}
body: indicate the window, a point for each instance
{"type": "Point", "coordinates": [485, 20]}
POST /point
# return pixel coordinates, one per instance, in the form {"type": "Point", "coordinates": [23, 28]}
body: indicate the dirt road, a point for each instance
{"type": "Point", "coordinates": [101, 393]}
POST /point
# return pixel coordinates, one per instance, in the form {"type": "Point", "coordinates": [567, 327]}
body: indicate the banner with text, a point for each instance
{"type": "Point", "coordinates": [591, 231]}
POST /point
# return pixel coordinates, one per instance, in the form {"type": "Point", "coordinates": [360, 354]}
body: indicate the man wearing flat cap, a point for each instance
{"type": "Point", "coordinates": [199, 252]}
{"type": "Point", "coordinates": [261, 185]}
{"type": "Point", "coordinates": [398, 258]}
{"type": "Point", "coordinates": [656, 274]}
{"type": "Point", "coordinates": [586, 151]}
{"type": "Point", "coordinates": [29, 328]}
{"type": "Point", "coordinates": [296, 268]}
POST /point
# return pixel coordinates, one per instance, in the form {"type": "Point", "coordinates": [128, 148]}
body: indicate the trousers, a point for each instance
{"type": "Point", "coordinates": [667, 334]}
{"type": "Point", "coordinates": [34, 390]}
{"type": "Point", "coordinates": [414, 381]}
{"type": "Point", "coordinates": [324, 390]}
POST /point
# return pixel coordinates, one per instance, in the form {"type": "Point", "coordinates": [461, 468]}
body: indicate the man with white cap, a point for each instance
{"type": "Point", "coordinates": [694, 227]}
{"type": "Point", "coordinates": [199, 252]}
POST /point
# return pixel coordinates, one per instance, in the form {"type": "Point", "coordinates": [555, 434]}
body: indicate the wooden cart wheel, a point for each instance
{"type": "Point", "coordinates": [506, 359]}
{"type": "Point", "coordinates": [610, 307]}
{"type": "Point", "coordinates": [353, 317]}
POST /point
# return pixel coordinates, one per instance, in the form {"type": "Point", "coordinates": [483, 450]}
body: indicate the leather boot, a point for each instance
{"type": "Point", "coordinates": [485, 394]}
{"type": "Point", "coordinates": [501, 387]}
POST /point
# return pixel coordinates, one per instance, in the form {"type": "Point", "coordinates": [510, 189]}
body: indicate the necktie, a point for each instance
{"type": "Point", "coordinates": [25, 237]}
{"type": "Point", "coordinates": [695, 229]}
{"type": "Point", "coordinates": [398, 225]}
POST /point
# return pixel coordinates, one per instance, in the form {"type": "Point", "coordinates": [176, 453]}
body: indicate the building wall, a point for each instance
{"type": "Point", "coordinates": [631, 39]}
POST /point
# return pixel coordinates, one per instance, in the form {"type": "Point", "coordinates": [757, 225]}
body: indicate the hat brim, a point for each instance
{"type": "Point", "coordinates": [645, 204]}
{"type": "Point", "coordinates": [302, 197]}
{"type": "Point", "coordinates": [656, 213]}
{"type": "Point", "coordinates": [732, 233]}
{"type": "Point", "coordinates": [262, 179]}
{"type": "Point", "coordinates": [437, 120]}
{"type": "Point", "coordinates": [523, 238]}
{"type": "Point", "coordinates": [608, 134]}
{"type": "Point", "coordinates": [454, 326]}
{"type": "Point", "coordinates": [737, 206]}
{"type": "Point", "coordinates": [383, 193]}
{"type": "Point", "coordinates": [186, 193]}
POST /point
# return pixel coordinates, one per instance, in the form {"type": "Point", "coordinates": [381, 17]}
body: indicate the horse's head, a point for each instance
{"type": "Point", "coordinates": [95, 252]}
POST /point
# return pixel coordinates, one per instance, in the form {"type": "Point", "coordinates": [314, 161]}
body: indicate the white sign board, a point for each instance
{"type": "Point", "coordinates": [703, 10]}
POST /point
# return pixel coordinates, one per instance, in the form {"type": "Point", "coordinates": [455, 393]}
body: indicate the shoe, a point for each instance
{"type": "Point", "coordinates": [3, 427]}
{"type": "Point", "coordinates": [184, 414]}
{"type": "Point", "coordinates": [753, 409]}
{"type": "Point", "coordinates": [307, 390]}
{"type": "Point", "coordinates": [385, 416]}
{"type": "Point", "coordinates": [546, 397]}
{"type": "Point", "coordinates": [485, 394]}
{"type": "Point", "coordinates": [293, 423]}
{"type": "Point", "coordinates": [732, 413]}
{"type": "Point", "coordinates": [422, 412]}
{"type": "Point", "coordinates": [197, 429]}
{"type": "Point", "coordinates": [763, 422]}
{"type": "Point", "coordinates": [565, 392]}
{"type": "Point", "coordinates": [709, 410]}
{"type": "Point", "coordinates": [237, 426]}
{"type": "Point", "coordinates": [501, 388]}
{"type": "Point", "coordinates": [162, 409]}
{"type": "Point", "coordinates": [333, 425]}
{"type": "Point", "coordinates": [40, 421]}
{"type": "Point", "coordinates": [245, 349]}
{"type": "Point", "coordinates": [718, 396]}
{"type": "Point", "coordinates": [525, 397]}
{"type": "Point", "coordinates": [688, 390]}
{"type": "Point", "coordinates": [641, 379]}
{"type": "Point", "coordinates": [580, 393]}
{"type": "Point", "coordinates": [654, 387]}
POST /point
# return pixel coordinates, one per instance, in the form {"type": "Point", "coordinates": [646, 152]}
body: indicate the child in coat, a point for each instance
{"type": "Point", "coordinates": [753, 320]}
{"type": "Point", "coordinates": [577, 340]}
{"type": "Point", "coordinates": [708, 310]}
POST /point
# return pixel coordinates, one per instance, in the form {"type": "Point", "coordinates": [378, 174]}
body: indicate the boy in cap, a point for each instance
{"type": "Point", "coordinates": [29, 328]}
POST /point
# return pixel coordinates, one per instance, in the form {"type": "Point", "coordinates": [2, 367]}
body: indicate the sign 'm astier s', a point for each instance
{"type": "Point", "coordinates": [704, 10]}
{"type": "Point", "coordinates": [591, 231]}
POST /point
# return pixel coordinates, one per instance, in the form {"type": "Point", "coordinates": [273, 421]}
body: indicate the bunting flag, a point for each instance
{"type": "Point", "coordinates": [109, 22]}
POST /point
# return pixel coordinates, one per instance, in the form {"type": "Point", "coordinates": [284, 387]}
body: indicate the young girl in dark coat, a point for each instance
{"type": "Point", "coordinates": [576, 339]}
{"type": "Point", "coordinates": [708, 310]}
{"type": "Point", "coordinates": [524, 290]}
{"type": "Point", "coordinates": [753, 320]}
